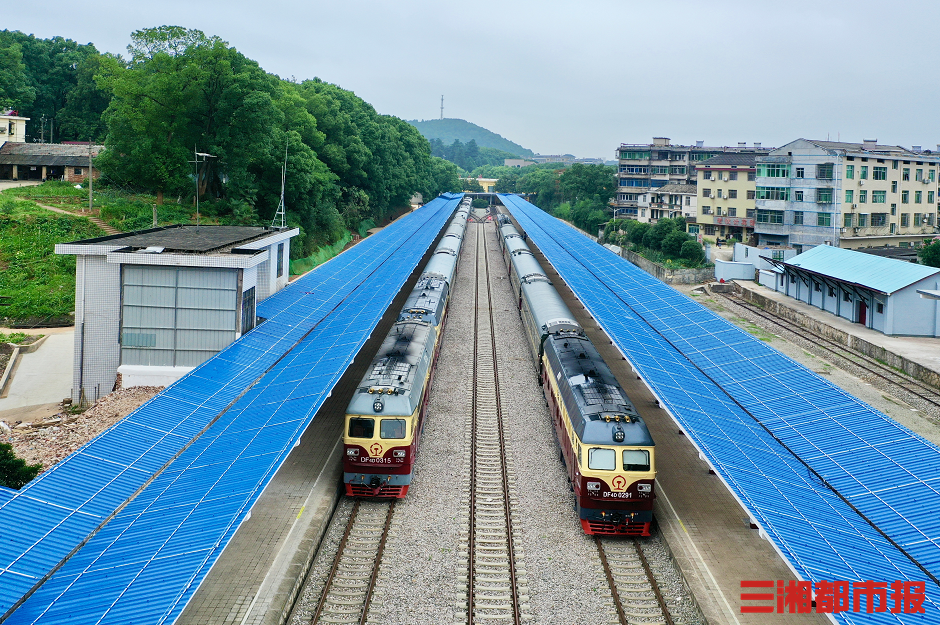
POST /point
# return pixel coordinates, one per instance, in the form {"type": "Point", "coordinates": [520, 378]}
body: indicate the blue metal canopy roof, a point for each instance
{"type": "Point", "coordinates": [218, 462]}
{"type": "Point", "coordinates": [885, 275]}
{"type": "Point", "coordinates": [719, 383]}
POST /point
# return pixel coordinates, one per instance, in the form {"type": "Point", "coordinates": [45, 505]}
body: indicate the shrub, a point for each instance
{"type": "Point", "coordinates": [672, 244]}
{"type": "Point", "coordinates": [480, 203]}
{"type": "Point", "coordinates": [692, 251]}
{"type": "Point", "coordinates": [14, 472]}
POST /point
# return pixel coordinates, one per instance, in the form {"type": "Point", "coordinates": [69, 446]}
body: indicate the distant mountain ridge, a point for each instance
{"type": "Point", "coordinates": [448, 129]}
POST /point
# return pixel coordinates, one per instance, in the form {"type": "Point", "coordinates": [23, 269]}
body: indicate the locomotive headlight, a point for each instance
{"type": "Point", "coordinates": [644, 488]}
{"type": "Point", "coordinates": [398, 453]}
{"type": "Point", "coordinates": [594, 486]}
{"type": "Point", "coordinates": [352, 451]}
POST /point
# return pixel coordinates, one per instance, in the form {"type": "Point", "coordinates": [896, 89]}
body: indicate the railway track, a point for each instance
{"type": "Point", "coordinates": [348, 590]}
{"type": "Point", "coordinates": [869, 365]}
{"type": "Point", "coordinates": [632, 584]}
{"type": "Point", "coordinates": [496, 586]}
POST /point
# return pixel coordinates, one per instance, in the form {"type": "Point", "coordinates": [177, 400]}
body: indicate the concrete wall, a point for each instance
{"type": "Point", "coordinates": [907, 313]}
{"type": "Point", "coordinates": [97, 327]}
{"type": "Point", "coordinates": [727, 271]}
{"type": "Point", "coordinates": [670, 276]}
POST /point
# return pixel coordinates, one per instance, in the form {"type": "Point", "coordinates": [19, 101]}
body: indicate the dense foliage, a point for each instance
{"type": "Point", "coordinates": [14, 472]}
{"type": "Point", "coordinates": [469, 156]}
{"type": "Point", "coordinates": [52, 79]}
{"type": "Point", "coordinates": [35, 282]}
{"type": "Point", "coordinates": [665, 241]}
{"type": "Point", "coordinates": [449, 130]}
{"type": "Point", "coordinates": [930, 254]}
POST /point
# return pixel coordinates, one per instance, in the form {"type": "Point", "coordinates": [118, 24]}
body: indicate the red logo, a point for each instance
{"type": "Point", "coordinates": [834, 596]}
{"type": "Point", "coordinates": [619, 483]}
{"type": "Point", "coordinates": [376, 450]}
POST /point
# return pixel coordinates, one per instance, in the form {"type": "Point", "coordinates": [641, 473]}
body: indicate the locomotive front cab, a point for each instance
{"type": "Point", "coordinates": [616, 489]}
{"type": "Point", "coordinates": [379, 454]}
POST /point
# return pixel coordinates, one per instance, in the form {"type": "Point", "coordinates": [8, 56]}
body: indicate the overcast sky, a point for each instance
{"type": "Point", "coordinates": [583, 76]}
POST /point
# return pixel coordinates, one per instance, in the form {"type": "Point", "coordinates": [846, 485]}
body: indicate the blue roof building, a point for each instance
{"type": "Point", "coordinates": [879, 293]}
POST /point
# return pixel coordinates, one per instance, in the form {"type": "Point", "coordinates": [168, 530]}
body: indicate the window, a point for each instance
{"type": "Point", "coordinates": [776, 254]}
{"type": "Point", "coordinates": [392, 428]}
{"type": "Point", "coordinates": [824, 171]}
{"type": "Point", "coordinates": [905, 197]}
{"type": "Point", "coordinates": [773, 193]}
{"type": "Point", "coordinates": [749, 213]}
{"type": "Point", "coordinates": [750, 194]}
{"type": "Point", "coordinates": [280, 260]}
{"type": "Point", "coordinates": [863, 172]}
{"type": "Point", "coordinates": [706, 210]}
{"type": "Point", "coordinates": [918, 174]}
{"type": "Point", "coordinates": [601, 459]}
{"type": "Point", "coordinates": [733, 175]}
{"type": "Point", "coordinates": [634, 155]}
{"type": "Point", "coordinates": [933, 175]}
{"type": "Point", "coordinates": [718, 210]}
{"type": "Point", "coordinates": [918, 196]}
{"type": "Point", "coordinates": [880, 308]}
{"type": "Point", "coordinates": [720, 193]}
{"type": "Point", "coordinates": [906, 173]}
{"type": "Point", "coordinates": [659, 170]}
{"type": "Point", "coordinates": [846, 297]}
{"type": "Point", "coordinates": [773, 170]}
{"type": "Point", "coordinates": [930, 197]}
{"type": "Point", "coordinates": [879, 173]}
{"type": "Point", "coordinates": [846, 220]}
{"type": "Point", "coordinates": [849, 172]}
{"type": "Point", "coordinates": [798, 218]}
{"type": "Point", "coordinates": [248, 310]}
{"type": "Point", "coordinates": [894, 209]}
{"type": "Point", "coordinates": [78, 171]}
{"type": "Point", "coordinates": [894, 164]}
{"type": "Point", "coordinates": [677, 169]}
{"type": "Point", "coordinates": [732, 212]}
{"type": "Point", "coordinates": [706, 175]}
{"type": "Point", "coordinates": [361, 427]}
{"type": "Point", "coordinates": [799, 172]}
{"type": "Point", "coordinates": [688, 200]}
{"type": "Point", "coordinates": [849, 196]}
{"type": "Point", "coordinates": [832, 292]}
{"type": "Point", "coordinates": [893, 227]}
{"type": "Point", "coordinates": [797, 196]}
{"type": "Point", "coordinates": [817, 287]}
{"type": "Point", "coordinates": [863, 220]}
{"type": "Point", "coordinates": [862, 196]}
{"type": "Point", "coordinates": [769, 217]}
{"type": "Point", "coordinates": [792, 279]}
{"type": "Point", "coordinates": [706, 192]}
{"type": "Point", "coordinates": [634, 182]}
{"type": "Point", "coordinates": [894, 186]}
{"type": "Point", "coordinates": [879, 219]}
{"type": "Point", "coordinates": [750, 177]}
{"type": "Point", "coordinates": [663, 156]}
{"type": "Point", "coordinates": [636, 460]}
{"type": "Point", "coordinates": [823, 219]}
{"type": "Point", "coordinates": [905, 220]}
{"type": "Point", "coordinates": [918, 220]}
{"type": "Point", "coordinates": [879, 197]}
{"type": "Point", "coordinates": [677, 156]}
{"type": "Point", "coordinates": [635, 169]}
{"type": "Point", "coordinates": [824, 196]}
{"type": "Point", "coordinates": [709, 229]}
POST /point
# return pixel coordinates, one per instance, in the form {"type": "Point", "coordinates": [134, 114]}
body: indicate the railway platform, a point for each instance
{"type": "Point", "coordinates": [917, 355]}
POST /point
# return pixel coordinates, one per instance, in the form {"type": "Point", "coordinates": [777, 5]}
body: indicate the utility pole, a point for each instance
{"type": "Point", "coordinates": [205, 157]}
{"type": "Point", "coordinates": [42, 121]}
{"type": "Point", "coordinates": [90, 177]}
{"type": "Point", "coordinates": [442, 107]}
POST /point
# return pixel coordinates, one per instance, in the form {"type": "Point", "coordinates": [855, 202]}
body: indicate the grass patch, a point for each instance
{"type": "Point", "coordinates": [36, 284]}
{"type": "Point", "coordinates": [17, 338]}
{"type": "Point", "coordinates": [753, 329]}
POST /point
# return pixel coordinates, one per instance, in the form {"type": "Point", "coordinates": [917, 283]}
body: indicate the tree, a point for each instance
{"type": "Point", "coordinates": [580, 182]}
{"type": "Point", "coordinates": [472, 185]}
{"type": "Point", "coordinates": [658, 233]}
{"type": "Point", "coordinates": [15, 91]}
{"type": "Point", "coordinates": [638, 232]}
{"type": "Point", "coordinates": [930, 254]}
{"type": "Point", "coordinates": [692, 251]}
{"type": "Point", "coordinates": [14, 472]}
{"type": "Point", "coordinates": [673, 242]}
{"type": "Point", "coordinates": [444, 178]}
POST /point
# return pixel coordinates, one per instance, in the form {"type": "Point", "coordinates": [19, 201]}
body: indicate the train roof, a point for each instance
{"type": "Point", "coordinates": [525, 265]}
{"type": "Point", "coordinates": [401, 362]}
{"type": "Point", "coordinates": [549, 311]}
{"type": "Point", "coordinates": [508, 230]}
{"type": "Point", "coordinates": [451, 242]}
{"type": "Point", "coordinates": [592, 394]}
{"type": "Point", "coordinates": [442, 264]}
{"type": "Point", "coordinates": [514, 244]}
{"type": "Point", "coordinates": [426, 300]}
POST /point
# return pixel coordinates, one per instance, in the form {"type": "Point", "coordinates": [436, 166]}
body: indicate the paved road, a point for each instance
{"type": "Point", "coordinates": [43, 377]}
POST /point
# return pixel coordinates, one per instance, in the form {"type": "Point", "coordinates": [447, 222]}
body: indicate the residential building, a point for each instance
{"type": "Point", "coordinates": [154, 304]}
{"type": "Point", "coordinates": [878, 293]}
{"type": "Point", "coordinates": [672, 200]}
{"type": "Point", "coordinates": [12, 127]}
{"type": "Point", "coordinates": [69, 162]}
{"type": "Point", "coordinates": [851, 195]}
{"type": "Point", "coordinates": [725, 196]}
{"type": "Point", "coordinates": [644, 167]}
{"type": "Point", "coordinates": [564, 159]}
{"type": "Point", "coordinates": [517, 162]}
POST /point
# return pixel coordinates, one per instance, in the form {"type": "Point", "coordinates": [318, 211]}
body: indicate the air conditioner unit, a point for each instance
{"type": "Point", "coordinates": [854, 205]}
{"type": "Point", "coordinates": [861, 183]}
{"type": "Point", "coordinates": [855, 230]}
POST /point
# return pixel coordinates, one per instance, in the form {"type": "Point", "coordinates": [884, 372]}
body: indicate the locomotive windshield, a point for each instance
{"type": "Point", "coordinates": [392, 428]}
{"type": "Point", "coordinates": [636, 460]}
{"type": "Point", "coordinates": [360, 427]}
{"type": "Point", "coordinates": [602, 459]}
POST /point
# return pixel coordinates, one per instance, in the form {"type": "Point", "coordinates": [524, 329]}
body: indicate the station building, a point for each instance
{"type": "Point", "coordinates": [153, 304]}
{"type": "Point", "coordinates": [879, 293]}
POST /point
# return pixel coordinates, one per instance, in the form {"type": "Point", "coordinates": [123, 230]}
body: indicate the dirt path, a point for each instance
{"type": "Point", "coordinates": [108, 229]}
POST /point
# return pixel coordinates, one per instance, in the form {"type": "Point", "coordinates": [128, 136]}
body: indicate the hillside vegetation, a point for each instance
{"type": "Point", "coordinates": [450, 130]}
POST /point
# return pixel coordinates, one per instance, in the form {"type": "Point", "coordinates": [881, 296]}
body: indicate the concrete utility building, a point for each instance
{"type": "Point", "coordinates": [154, 304]}
{"type": "Point", "coordinates": [879, 293]}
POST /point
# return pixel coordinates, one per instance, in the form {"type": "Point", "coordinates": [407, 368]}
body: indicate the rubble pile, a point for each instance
{"type": "Point", "coordinates": [50, 440]}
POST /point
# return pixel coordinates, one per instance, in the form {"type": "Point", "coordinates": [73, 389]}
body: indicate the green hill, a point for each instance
{"type": "Point", "coordinates": [448, 130]}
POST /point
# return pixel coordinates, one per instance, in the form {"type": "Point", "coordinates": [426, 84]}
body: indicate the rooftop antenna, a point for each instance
{"type": "Point", "coordinates": [442, 107]}
{"type": "Point", "coordinates": [280, 215]}
{"type": "Point", "coordinates": [196, 161]}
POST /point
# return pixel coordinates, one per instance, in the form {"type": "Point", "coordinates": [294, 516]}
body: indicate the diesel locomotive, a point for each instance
{"type": "Point", "coordinates": [605, 445]}
{"type": "Point", "coordinates": [386, 414]}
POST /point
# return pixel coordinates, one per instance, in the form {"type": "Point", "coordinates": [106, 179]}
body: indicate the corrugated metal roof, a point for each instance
{"type": "Point", "coordinates": [53, 514]}
{"type": "Point", "coordinates": [885, 275]}
{"type": "Point", "coordinates": [795, 450]}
